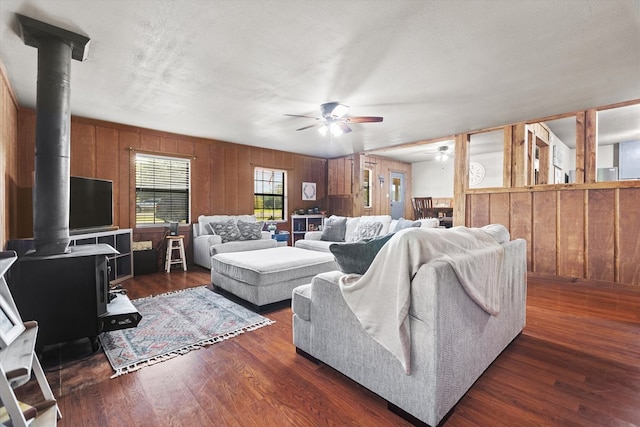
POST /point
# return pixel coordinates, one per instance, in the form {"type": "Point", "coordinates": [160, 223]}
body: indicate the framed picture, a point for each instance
{"type": "Point", "coordinates": [10, 325]}
{"type": "Point", "coordinates": [558, 157]}
{"type": "Point", "coordinates": [308, 191]}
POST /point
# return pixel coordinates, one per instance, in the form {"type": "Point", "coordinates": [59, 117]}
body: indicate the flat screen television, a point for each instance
{"type": "Point", "coordinates": [90, 204]}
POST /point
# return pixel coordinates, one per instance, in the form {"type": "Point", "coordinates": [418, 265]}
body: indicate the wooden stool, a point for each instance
{"type": "Point", "coordinates": [171, 246]}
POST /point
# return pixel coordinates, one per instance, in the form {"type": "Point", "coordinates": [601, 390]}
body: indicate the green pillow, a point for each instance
{"type": "Point", "coordinates": [357, 257]}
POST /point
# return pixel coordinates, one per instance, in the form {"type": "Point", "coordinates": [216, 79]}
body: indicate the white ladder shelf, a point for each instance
{"type": "Point", "coordinates": [17, 361]}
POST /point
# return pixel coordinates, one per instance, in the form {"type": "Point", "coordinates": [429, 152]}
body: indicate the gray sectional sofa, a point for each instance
{"type": "Point", "coordinates": [453, 340]}
{"type": "Point", "coordinates": [313, 240]}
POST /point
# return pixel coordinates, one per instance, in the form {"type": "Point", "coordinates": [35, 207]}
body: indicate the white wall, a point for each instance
{"type": "Point", "coordinates": [430, 179]}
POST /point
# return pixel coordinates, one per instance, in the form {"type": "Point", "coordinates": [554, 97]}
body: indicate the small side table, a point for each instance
{"type": "Point", "coordinates": [175, 243]}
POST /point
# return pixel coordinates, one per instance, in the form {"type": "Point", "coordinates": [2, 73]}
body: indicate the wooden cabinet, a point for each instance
{"type": "Point", "coordinates": [300, 224]}
{"type": "Point", "coordinates": [121, 264]}
{"type": "Point", "coordinates": [340, 176]}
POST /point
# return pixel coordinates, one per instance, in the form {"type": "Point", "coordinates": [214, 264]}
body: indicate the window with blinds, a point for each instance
{"type": "Point", "coordinates": [162, 189]}
{"type": "Point", "coordinates": [269, 194]}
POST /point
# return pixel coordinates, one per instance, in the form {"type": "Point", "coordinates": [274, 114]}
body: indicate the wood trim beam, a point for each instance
{"type": "Point", "coordinates": [461, 178]}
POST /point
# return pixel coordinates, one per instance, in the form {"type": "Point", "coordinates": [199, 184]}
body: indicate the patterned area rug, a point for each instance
{"type": "Point", "coordinates": [175, 323]}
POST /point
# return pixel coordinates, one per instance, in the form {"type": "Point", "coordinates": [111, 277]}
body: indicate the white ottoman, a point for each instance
{"type": "Point", "coordinates": [266, 276]}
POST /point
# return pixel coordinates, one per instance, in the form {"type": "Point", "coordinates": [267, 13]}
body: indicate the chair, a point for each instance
{"type": "Point", "coordinates": [422, 207]}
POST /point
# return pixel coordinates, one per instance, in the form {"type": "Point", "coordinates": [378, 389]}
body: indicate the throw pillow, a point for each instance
{"type": "Point", "coordinates": [366, 230]}
{"type": "Point", "coordinates": [250, 230]}
{"type": "Point", "coordinates": [357, 257]}
{"type": "Point", "coordinates": [334, 229]}
{"type": "Point", "coordinates": [227, 230]}
{"type": "Point", "coordinates": [209, 229]}
{"type": "Point", "coordinates": [405, 223]}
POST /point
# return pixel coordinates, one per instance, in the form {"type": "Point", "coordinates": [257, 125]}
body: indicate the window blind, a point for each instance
{"type": "Point", "coordinates": [162, 189]}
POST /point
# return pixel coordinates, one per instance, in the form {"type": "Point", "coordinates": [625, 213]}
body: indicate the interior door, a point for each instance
{"type": "Point", "coordinates": [396, 195]}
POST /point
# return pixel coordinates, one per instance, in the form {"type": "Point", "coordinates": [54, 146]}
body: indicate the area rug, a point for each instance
{"type": "Point", "coordinates": [175, 323]}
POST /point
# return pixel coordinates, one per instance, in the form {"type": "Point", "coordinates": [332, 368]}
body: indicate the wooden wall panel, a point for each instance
{"type": "Point", "coordinates": [83, 151]}
{"type": "Point", "coordinates": [544, 256]}
{"type": "Point", "coordinates": [600, 243]}
{"type": "Point", "coordinates": [217, 182]}
{"type": "Point", "coordinates": [579, 233]}
{"type": "Point", "coordinates": [222, 173]}
{"type": "Point", "coordinates": [629, 232]}
{"type": "Point", "coordinates": [26, 160]}
{"type": "Point", "coordinates": [107, 153]}
{"type": "Point", "coordinates": [150, 142]}
{"type": "Point", "coordinates": [200, 180]}
{"type": "Point", "coordinates": [8, 161]}
{"type": "Point", "coordinates": [521, 221]}
{"type": "Point", "coordinates": [125, 217]}
{"type": "Point", "coordinates": [571, 233]}
{"type": "Point", "coordinates": [499, 209]}
{"type": "Point", "coordinates": [230, 164]}
{"type": "Point", "coordinates": [479, 206]}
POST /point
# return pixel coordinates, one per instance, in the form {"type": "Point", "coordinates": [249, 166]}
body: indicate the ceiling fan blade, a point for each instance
{"type": "Point", "coordinates": [310, 126]}
{"type": "Point", "coordinates": [363, 119]}
{"type": "Point", "coordinates": [306, 117]}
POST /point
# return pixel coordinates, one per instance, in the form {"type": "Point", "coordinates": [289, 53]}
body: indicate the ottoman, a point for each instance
{"type": "Point", "coordinates": [266, 276]}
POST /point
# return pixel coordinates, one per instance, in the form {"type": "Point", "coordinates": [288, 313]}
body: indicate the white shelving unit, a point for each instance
{"type": "Point", "coordinates": [17, 361]}
{"type": "Point", "coordinates": [300, 224]}
{"type": "Point", "coordinates": [121, 265]}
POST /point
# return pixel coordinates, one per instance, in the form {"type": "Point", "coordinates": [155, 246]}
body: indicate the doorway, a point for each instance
{"type": "Point", "coordinates": [396, 195]}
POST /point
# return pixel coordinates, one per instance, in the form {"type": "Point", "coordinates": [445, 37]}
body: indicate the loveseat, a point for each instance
{"type": "Point", "coordinates": [453, 339]}
{"type": "Point", "coordinates": [216, 234]}
{"type": "Point", "coordinates": [355, 229]}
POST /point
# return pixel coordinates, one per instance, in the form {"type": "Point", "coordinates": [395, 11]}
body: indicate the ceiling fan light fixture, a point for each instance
{"type": "Point", "coordinates": [442, 155]}
{"type": "Point", "coordinates": [335, 129]}
{"type": "Point", "coordinates": [333, 110]}
{"type": "Point", "coordinates": [323, 130]}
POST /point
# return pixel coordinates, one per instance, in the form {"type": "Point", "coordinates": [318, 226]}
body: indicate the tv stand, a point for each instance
{"type": "Point", "coordinates": [92, 230]}
{"type": "Point", "coordinates": [120, 264]}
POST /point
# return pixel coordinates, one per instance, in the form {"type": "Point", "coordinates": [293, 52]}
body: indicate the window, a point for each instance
{"type": "Point", "coordinates": [162, 189]}
{"type": "Point", "coordinates": [269, 194]}
{"type": "Point", "coordinates": [367, 187]}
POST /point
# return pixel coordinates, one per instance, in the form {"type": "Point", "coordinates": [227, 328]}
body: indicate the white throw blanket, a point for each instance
{"type": "Point", "coordinates": [381, 297]}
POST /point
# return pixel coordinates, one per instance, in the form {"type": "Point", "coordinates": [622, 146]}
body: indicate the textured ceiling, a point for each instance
{"type": "Point", "coordinates": [230, 70]}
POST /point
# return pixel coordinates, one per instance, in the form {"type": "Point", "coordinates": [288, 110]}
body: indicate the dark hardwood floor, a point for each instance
{"type": "Point", "coordinates": [577, 363]}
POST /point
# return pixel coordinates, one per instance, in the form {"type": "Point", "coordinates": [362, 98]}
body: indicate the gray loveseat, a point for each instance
{"type": "Point", "coordinates": [453, 340]}
{"type": "Point", "coordinates": [206, 244]}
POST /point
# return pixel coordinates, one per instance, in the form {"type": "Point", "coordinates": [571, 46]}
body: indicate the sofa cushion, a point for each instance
{"type": "Point", "coordinates": [357, 257]}
{"type": "Point", "coordinates": [250, 230]}
{"type": "Point", "coordinates": [401, 224]}
{"type": "Point", "coordinates": [313, 245]}
{"type": "Point", "coordinates": [242, 246]}
{"type": "Point", "coordinates": [227, 230]}
{"type": "Point", "coordinates": [365, 230]}
{"type": "Point", "coordinates": [334, 229]}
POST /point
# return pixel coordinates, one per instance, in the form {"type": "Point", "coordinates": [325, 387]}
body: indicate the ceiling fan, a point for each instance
{"type": "Point", "coordinates": [334, 119]}
{"type": "Point", "coordinates": [440, 152]}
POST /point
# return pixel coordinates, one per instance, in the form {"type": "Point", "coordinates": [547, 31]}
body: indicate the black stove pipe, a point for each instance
{"type": "Point", "coordinates": [52, 154]}
{"type": "Point", "coordinates": [56, 47]}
